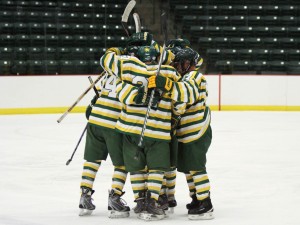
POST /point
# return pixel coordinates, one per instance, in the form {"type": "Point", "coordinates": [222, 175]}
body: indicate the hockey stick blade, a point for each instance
{"type": "Point", "coordinates": [126, 14]}
{"type": "Point", "coordinates": [128, 10]}
{"type": "Point", "coordinates": [137, 22]}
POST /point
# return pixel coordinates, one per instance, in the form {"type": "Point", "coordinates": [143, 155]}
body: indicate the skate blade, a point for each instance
{"type": "Point", "coordinates": [203, 216]}
{"type": "Point", "coordinates": [150, 217]}
{"type": "Point", "coordinates": [166, 213]}
{"type": "Point", "coordinates": [171, 210]}
{"type": "Point", "coordinates": [85, 212]}
{"type": "Point", "coordinates": [116, 214]}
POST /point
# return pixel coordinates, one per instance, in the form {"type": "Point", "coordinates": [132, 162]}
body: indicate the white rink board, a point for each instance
{"type": "Point", "coordinates": [62, 91]}
{"type": "Point", "coordinates": [260, 90]}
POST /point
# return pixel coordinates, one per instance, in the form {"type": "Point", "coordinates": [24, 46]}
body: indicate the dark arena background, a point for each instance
{"type": "Point", "coordinates": [69, 37]}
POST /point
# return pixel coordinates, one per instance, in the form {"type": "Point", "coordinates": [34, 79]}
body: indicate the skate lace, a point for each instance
{"type": "Point", "coordinates": [116, 199]}
{"type": "Point", "coordinates": [122, 201]}
{"type": "Point", "coordinates": [88, 198]}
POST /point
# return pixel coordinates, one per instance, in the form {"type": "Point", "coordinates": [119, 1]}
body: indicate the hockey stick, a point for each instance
{"type": "Point", "coordinates": [79, 98]}
{"type": "Point", "coordinates": [137, 22]}
{"type": "Point", "coordinates": [85, 128]}
{"type": "Point", "coordinates": [95, 89]}
{"type": "Point", "coordinates": [126, 14]}
{"type": "Point", "coordinates": [164, 27]}
{"type": "Point", "coordinates": [68, 162]}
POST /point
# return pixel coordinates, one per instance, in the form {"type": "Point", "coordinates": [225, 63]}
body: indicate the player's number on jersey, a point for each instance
{"type": "Point", "coordinates": [110, 85]}
{"type": "Point", "coordinates": [140, 80]}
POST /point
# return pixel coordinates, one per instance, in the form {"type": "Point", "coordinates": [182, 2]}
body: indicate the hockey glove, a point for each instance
{"type": "Point", "coordinates": [116, 50]}
{"type": "Point", "coordinates": [182, 43]}
{"type": "Point", "coordinates": [141, 96]}
{"type": "Point", "coordinates": [156, 98]}
{"type": "Point", "coordinates": [90, 107]}
{"type": "Point", "coordinates": [176, 45]}
{"type": "Point", "coordinates": [161, 82]}
{"type": "Point", "coordinates": [88, 112]}
{"type": "Point", "coordinates": [140, 39]}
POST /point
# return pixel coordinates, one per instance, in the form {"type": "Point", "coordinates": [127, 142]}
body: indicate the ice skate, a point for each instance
{"type": "Point", "coordinates": [203, 211]}
{"type": "Point", "coordinates": [140, 203]}
{"type": "Point", "coordinates": [85, 204]}
{"type": "Point", "coordinates": [153, 211]}
{"type": "Point", "coordinates": [117, 206]}
{"type": "Point", "coordinates": [194, 203]}
{"type": "Point", "coordinates": [163, 204]}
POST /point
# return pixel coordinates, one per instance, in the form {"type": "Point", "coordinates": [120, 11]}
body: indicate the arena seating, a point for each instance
{"type": "Point", "coordinates": [241, 36]}
{"type": "Point", "coordinates": [58, 37]}
{"type": "Point", "coordinates": [55, 37]}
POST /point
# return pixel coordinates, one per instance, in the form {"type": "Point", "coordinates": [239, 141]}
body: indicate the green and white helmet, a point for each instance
{"type": "Point", "coordinates": [147, 54]}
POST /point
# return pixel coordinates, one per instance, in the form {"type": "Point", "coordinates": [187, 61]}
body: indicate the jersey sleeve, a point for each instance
{"type": "Point", "coordinates": [201, 92]}
{"type": "Point", "coordinates": [126, 92]}
{"type": "Point", "coordinates": [168, 56]}
{"type": "Point", "coordinates": [187, 90]}
{"type": "Point", "coordinates": [112, 63]}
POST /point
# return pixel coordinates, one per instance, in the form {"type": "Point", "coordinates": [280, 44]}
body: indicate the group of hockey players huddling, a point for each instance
{"type": "Point", "coordinates": [177, 132]}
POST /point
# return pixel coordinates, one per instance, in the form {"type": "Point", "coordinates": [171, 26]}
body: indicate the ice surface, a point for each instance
{"type": "Point", "coordinates": [253, 165]}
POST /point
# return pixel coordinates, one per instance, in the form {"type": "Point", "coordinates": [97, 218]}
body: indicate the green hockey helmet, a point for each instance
{"type": "Point", "coordinates": [132, 50]}
{"type": "Point", "coordinates": [184, 55]}
{"type": "Point", "coordinates": [147, 54]}
{"type": "Point", "coordinates": [179, 42]}
{"type": "Point", "coordinates": [140, 39]}
{"type": "Point", "coordinates": [175, 45]}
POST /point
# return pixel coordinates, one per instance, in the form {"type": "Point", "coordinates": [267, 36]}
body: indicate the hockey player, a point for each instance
{"type": "Point", "coordinates": [167, 198]}
{"type": "Point", "coordinates": [102, 139]}
{"type": "Point", "coordinates": [144, 39]}
{"type": "Point", "coordinates": [155, 150]}
{"type": "Point", "coordinates": [194, 132]}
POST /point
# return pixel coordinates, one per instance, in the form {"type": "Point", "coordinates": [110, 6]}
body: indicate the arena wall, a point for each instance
{"type": "Point", "coordinates": [55, 94]}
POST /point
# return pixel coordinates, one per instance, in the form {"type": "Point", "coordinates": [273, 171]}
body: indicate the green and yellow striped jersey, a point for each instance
{"type": "Point", "coordinates": [168, 57]}
{"type": "Point", "coordinates": [196, 117]}
{"type": "Point", "coordinates": [186, 90]}
{"type": "Point", "coordinates": [107, 108]}
{"type": "Point", "coordinates": [134, 73]}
